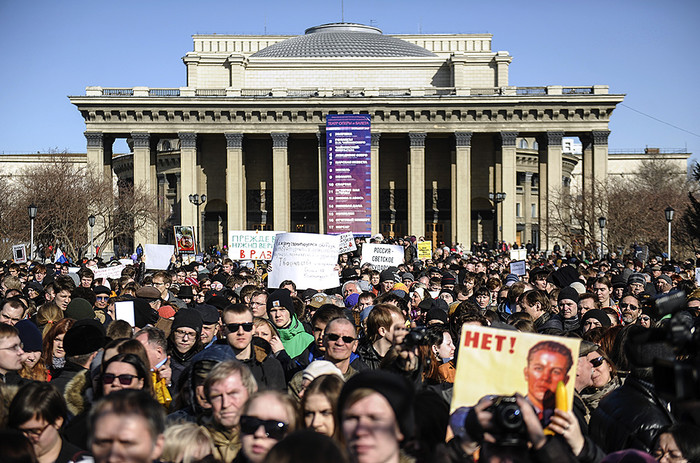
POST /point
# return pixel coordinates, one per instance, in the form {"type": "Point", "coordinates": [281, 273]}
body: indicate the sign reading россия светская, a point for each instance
{"type": "Point", "coordinates": [348, 173]}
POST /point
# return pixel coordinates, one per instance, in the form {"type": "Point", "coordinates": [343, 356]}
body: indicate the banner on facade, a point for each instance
{"type": "Point", "coordinates": [251, 245]}
{"type": "Point", "coordinates": [425, 250]}
{"type": "Point", "coordinates": [307, 259]}
{"type": "Point", "coordinates": [347, 243]}
{"type": "Point", "coordinates": [382, 256]}
{"type": "Point", "coordinates": [348, 173]}
{"type": "Point", "coordinates": [507, 362]}
{"type": "Point", "coordinates": [184, 239]}
{"type": "Point", "coordinates": [19, 253]}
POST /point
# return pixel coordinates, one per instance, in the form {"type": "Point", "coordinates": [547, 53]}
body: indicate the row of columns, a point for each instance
{"type": "Point", "coordinates": [504, 179]}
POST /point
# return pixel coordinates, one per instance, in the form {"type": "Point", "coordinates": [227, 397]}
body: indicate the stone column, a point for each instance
{"type": "Point", "coordinates": [143, 179]}
{"type": "Point", "coordinates": [416, 184]}
{"type": "Point", "coordinates": [280, 182]}
{"type": "Point", "coordinates": [322, 185]}
{"type": "Point", "coordinates": [374, 176]}
{"type": "Point", "coordinates": [99, 163]}
{"type": "Point", "coordinates": [235, 183]}
{"type": "Point", "coordinates": [462, 187]}
{"type": "Point", "coordinates": [527, 209]}
{"type": "Point", "coordinates": [552, 188]}
{"type": "Point", "coordinates": [188, 178]}
{"type": "Point", "coordinates": [508, 180]}
{"type": "Point", "coordinates": [600, 175]}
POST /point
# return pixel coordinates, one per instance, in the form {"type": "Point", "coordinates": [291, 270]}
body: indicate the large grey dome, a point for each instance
{"type": "Point", "coordinates": [342, 40]}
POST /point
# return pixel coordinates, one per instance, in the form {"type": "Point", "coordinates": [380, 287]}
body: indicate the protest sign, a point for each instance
{"type": "Point", "coordinates": [251, 245]}
{"type": "Point", "coordinates": [697, 276]}
{"type": "Point", "coordinates": [425, 250]}
{"type": "Point", "coordinates": [19, 253]}
{"type": "Point", "coordinates": [502, 362]}
{"type": "Point", "coordinates": [347, 243]}
{"type": "Point", "coordinates": [158, 255]}
{"type": "Point", "coordinates": [184, 239]}
{"type": "Point", "coordinates": [113, 272]}
{"type": "Point", "coordinates": [382, 256]}
{"type": "Point", "coordinates": [518, 254]}
{"type": "Point", "coordinates": [126, 261]}
{"type": "Point", "coordinates": [518, 268]}
{"type": "Point", "coordinates": [124, 310]}
{"type": "Point", "coordinates": [307, 259]}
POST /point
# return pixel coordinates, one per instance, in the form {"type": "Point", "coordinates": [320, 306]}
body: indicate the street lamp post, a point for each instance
{"type": "Point", "coordinates": [32, 209]}
{"type": "Point", "coordinates": [91, 222]}
{"type": "Point", "coordinates": [496, 198]}
{"type": "Point", "coordinates": [669, 211]}
{"type": "Point", "coordinates": [601, 223]}
{"type": "Point", "coordinates": [198, 200]}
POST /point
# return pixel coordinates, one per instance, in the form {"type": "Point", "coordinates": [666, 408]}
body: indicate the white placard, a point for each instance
{"type": "Point", "coordinates": [19, 253]}
{"type": "Point", "coordinates": [126, 261]}
{"type": "Point", "coordinates": [518, 268]}
{"type": "Point", "coordinates": [347, 243]}
{"type": "Point", "coordinates": [518, 254]}
{"type": "Point", "coordinates": [158, 255]}
{"type": "Point", "coordinates": [697, 276]}
{"type": "Point", "coordinates": [251, 245]}
{"type": "Point", "coordinates": [113, 272]}
{"type": "Point", "coordinates": [124, 310]}
{"type": "Point", "coordinates": [382, 256]}
{"type": "Point", "coordinates": [73, 269]}
{"type": "Point", "coordinates": [307, 259]}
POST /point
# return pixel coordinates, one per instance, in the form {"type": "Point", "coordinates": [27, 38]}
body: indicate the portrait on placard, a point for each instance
{"type": "Point", "coordinates": [502, 362]}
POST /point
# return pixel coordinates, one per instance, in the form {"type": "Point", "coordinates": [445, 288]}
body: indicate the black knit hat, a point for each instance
{"type": "Point", "coordinates": [209, 313]}
{"type": "Point", "coordinates": [84, 337]}
{"type": "Point", "coordinates": [395, 389]}
{"type": "Point", "coordinates": [599, 315]}
{"type": "Point", "coordinates": [281, 298]}
{"type": "Point", "coordinates": [187, 318]}
{"type": "Point", "coordinates": [568, 293]}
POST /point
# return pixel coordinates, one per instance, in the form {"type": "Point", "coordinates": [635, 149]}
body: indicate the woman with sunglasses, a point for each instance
{"type": "Point", "coordinates": [38, 411]}
{"type": "Point", "coordinates": [125, 371]}
{"type": "Point", "coordinates": [266, 418]}
{"type": "Point", "coordinates": [604, 376]}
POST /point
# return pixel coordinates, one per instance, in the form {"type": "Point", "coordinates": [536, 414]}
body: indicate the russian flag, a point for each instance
{"type": "Point", "coordinates": [60, 257]}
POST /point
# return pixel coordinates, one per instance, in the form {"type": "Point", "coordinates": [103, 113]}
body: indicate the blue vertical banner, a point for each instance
{"type": "Point", "coordinates": [348, 173]}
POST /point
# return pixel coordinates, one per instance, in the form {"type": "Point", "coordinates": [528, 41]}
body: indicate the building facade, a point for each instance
{"type": "Point", "coordinates": [448, 133]}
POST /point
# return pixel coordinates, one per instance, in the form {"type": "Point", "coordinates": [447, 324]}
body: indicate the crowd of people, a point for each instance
{"type": "Point", "coordinates": [211, 365]}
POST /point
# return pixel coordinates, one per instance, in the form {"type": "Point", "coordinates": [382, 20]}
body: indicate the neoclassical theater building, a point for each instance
{"type": "Point", "coordinates": [449, 134]}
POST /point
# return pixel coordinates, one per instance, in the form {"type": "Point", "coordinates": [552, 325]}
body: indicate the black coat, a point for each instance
{"type": "Point", "coordinates": [631, 416]}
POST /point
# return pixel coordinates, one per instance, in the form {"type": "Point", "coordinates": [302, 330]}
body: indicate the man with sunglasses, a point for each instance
{"type": "Point", "coordinates": [631, 309]}
{"type": "Point", "coordinates": [238, 328]}
{"type": "Point", "coordinates": [102, 294]}
{"type": "Point", "coordinates": [340, 341]}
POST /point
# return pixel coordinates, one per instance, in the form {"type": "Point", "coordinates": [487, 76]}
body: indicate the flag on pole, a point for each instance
{"type": "Point", "coordinates": [60, 257]}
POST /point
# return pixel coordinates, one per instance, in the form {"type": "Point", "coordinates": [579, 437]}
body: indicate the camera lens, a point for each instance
{"type": "Point", "coordinates": [511, 417]}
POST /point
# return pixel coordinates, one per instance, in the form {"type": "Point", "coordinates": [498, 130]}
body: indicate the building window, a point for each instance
{"type": "Point", "coordinates": [535, 180]}
{"type": "Point", "coordinates": [517, 210]}
{"type": "Point", "coordinates": [535, 145]}
{"type": "Point", "coordinates": [520, 178]}
{"type": "Point", "coordinates": [533, 210]}
{"type": "Point", "coordinates": [523, 144]}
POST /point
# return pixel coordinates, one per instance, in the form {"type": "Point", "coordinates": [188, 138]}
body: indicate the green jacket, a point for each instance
{"type": "Point", "coordinates": [295, 338]}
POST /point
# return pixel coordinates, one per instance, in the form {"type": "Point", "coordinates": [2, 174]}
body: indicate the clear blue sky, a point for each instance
{"type": "Point", "coordinates": [643, 48]}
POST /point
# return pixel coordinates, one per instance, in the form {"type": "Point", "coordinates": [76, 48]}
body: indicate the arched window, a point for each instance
{"type": "Point", "coordinates": [523, 144]}
{"type": "Point", "coordinates": [535, 145]}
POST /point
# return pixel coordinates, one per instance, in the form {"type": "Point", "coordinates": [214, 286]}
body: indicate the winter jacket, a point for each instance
{"type": "Point", "coordinates": [295, 338]}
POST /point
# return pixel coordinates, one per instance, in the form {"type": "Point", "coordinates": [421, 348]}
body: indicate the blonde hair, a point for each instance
{"type": "Point", "coordinates": [48, 314]}
{"type": "Point", "coordinates": [182, 442]}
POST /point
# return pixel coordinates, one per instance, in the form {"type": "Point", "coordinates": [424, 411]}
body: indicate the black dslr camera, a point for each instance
{"type": "Point", "coordinates": [415, 337]}
{"type": "Point", "coordinates": [508, 424]}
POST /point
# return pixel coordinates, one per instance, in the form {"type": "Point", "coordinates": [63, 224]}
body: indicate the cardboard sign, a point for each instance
{"type": "Point", "coordinates": [425, 250]}
{"type": "Point", "coordinates": [518, 254]}
{"type": "Point", "coordinates": [251, 245]}
{"type": "Point", "coordinates": [184, 239]}
{"type": "Point", "coordinates": [347, 243]}
{"type": "Point", "coordinates": [124, 310]}
{"type": "Point", "coordinates": [19, 253]}
{"type": "Point", "coordinates": [507, 362]}
{"type": "Point", "coordinates": [158, 255]}
{"type": "Point", "coordinates": [518, 268]}
{"type": "Point", "coordinates": [382, 256]}
{"type": "Point", "coordinates": [307, 259]}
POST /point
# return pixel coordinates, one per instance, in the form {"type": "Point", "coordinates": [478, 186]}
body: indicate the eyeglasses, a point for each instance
{"type": "Point", "coordinates": [597, 362]}
{"type": "Point", "coordinates": [233, 327]}
{"type": "Point", "coordinates": [334, 337]}
{"type": "Point", "coordinates": [624, 305]}
{"type": "Point", "coordinates": [273, 428]}
{"type": "Point", "coordinates": [34, 432]}
{"type": "Point", "coordinates": [645, 318]}
{"type": "Point", "coordinates": [102, 298]}
{"type": "Point", "coordinates": [182, 334]}
{"type": "Point", "coordinates": [17, 347]}
{"type": "Point", "coordinates": [124, 380]}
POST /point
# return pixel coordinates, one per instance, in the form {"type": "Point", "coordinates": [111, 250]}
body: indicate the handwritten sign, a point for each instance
{"type": "Point", "coordinates": [518, 268]}
{"type": "Point", "coordinates": [251, 245]}
{"type": "Point", "coordinates": [425, 250]}
{"type": "Point", "coordinates": [382, 256]}
{"type": "Point", "coordinates": [307, 259]}
{"type": "Point", "coordinates": [113, 272]}
{"type": "Point", "coordinates": [507, 362]}
{"type": "Point", "coordinates": [347, 243]}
